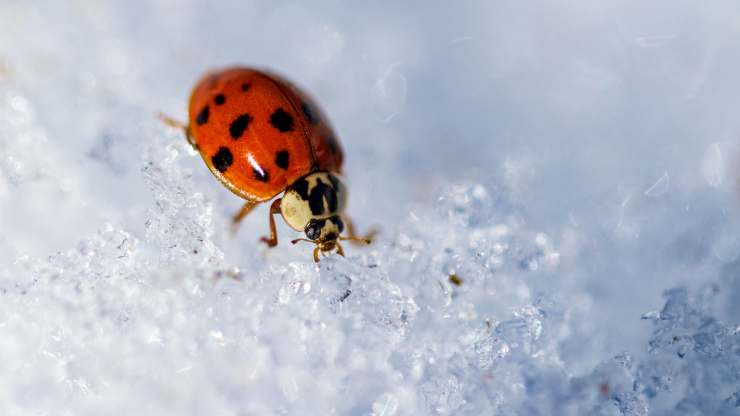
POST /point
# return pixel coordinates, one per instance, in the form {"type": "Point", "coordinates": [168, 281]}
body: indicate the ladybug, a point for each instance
{"type": "Point", "coordinates": [260, 135]}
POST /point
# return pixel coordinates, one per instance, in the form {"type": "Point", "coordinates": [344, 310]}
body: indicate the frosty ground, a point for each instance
{"type": "Point", "coordinates": [574, 165]}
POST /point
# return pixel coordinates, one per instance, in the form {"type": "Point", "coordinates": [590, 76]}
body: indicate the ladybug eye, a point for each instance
{"type": "Point", "coordinates": [313, 229]}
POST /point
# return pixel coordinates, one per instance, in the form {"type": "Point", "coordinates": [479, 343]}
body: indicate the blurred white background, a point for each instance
{"type": "Point", "coordinates": [577, 154]}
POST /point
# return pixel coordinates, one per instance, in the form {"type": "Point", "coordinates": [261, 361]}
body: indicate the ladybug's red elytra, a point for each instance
{"type": "Point", "coordinates": [260, 135]}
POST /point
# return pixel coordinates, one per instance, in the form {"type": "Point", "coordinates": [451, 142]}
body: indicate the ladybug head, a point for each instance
{"type": "Point", "coordinates": [325, 233]}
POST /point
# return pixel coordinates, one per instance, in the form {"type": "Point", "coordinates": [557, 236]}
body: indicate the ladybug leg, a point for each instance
{"type": "Point", "coordinates": [274, 209]}
{"type": "Point", "coordinates": [239, 216]}
{"type": "Point", "coordinates": [178, 125]}
{"type": "Point", "coordinates": [340, 250]}
{"type": "Point", "coordinates": [352, 236]}
{"type": "Point", "coordinates": [315, 250]}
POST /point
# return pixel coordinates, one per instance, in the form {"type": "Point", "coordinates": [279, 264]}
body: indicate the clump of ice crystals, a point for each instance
{"type": "Point", "coordinates": [694, 362]}
{"type": "Point", "coordinates": [444, 316]}
{"type": "Point", "coordinates": [692, 368]}
{"type": "Point", "coordinates": [179, 225]}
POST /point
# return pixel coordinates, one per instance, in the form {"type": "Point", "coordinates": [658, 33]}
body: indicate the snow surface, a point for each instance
{"type": "Point", "coordinates": [574, 163]}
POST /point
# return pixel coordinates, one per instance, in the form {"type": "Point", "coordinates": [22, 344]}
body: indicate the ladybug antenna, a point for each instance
{"type": "Point", "coordinates": [303, 239]}
{"type": "Point", "coordinates": [356, 239]}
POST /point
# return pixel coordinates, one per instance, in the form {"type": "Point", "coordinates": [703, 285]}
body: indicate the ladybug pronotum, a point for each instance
{"type": "Point", "coordinates": [260, 135]}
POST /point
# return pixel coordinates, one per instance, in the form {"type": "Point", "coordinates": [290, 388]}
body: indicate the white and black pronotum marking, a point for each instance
{"type": "Point", "coordinates": [314, 204]}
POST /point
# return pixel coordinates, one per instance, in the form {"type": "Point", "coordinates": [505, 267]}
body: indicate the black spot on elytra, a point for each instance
{"type": "Point", "coordinates": [313, 229]}
{"type": "Point", "coordinates": [202, 117]}
{"type": "Point", "coordinates": [281, 120]}
{"type": "Point", "coordinates": [222, 159]}
{"type": "Point", "coordinates": [246, 86]}
{"type": "Point", "coordinates": [309, 113]}
{"type": "Point", "coordinates": [261, 175]}
{"type": "Point", "coordinates": [331, 141]}
{"type": "Point", "coordinates": [220, 99]}
{"type": "Point", "coordinates": [282, 159]}
{"type": "Point", "coordinates": [237, 127]}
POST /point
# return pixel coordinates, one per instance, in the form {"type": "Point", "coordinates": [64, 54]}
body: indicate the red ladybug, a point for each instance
{"type": "Point", "coordinates": [260, 135]}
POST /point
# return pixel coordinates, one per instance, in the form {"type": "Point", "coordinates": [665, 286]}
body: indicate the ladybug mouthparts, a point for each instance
{"type": "Point", "coordinates": [323, 247]}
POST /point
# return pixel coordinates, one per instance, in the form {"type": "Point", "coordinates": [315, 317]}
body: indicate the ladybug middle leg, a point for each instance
{"type": "Point", "coordinates": [274, 209]}
{"type": "Point", "coordinates": [248, 206]}
{"type": "Point", "coordinates": [178, 125]}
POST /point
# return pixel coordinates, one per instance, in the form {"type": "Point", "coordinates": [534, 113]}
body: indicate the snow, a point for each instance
{"type": "Point", "coordinates": [555, 184]}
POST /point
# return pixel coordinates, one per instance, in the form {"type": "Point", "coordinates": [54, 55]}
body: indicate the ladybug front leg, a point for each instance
{"type": "Point", "coordinates": [274, 209]}
{"type": "Point", "coordinates": [178, 125]}
{"type": "Point", "coordinates": [239, 216]}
